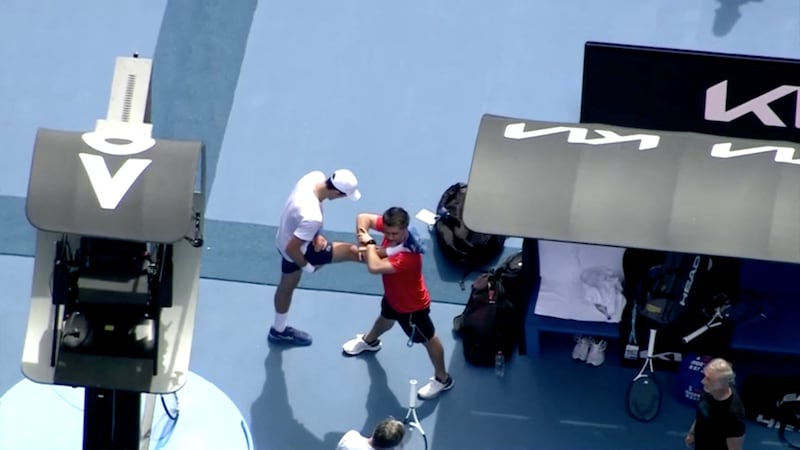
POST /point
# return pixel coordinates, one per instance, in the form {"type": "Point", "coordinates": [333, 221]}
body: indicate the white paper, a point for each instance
{"type": "Point", "coordinates": [426, 216]}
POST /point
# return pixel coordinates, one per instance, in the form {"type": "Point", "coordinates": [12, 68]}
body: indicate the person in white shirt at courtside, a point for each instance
{"type": "Point", "coordinates": [302, 246]}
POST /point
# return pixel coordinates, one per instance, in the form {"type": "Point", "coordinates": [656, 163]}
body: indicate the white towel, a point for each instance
{"type": "Point", "coordinates": [603, 289]}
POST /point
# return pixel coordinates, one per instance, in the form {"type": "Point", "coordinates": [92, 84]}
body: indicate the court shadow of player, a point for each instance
{"type": "Point", "coordinates": [273, 425]}
{"type": "Point", "coordinates": [727, 15]}
{"type": "Point", "coordinates": [382, 402]}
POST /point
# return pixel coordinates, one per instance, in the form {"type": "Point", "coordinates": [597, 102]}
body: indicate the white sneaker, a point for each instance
{"type": "Point", "coordinates": [581, 350]}
{"type": "Point", "coordinates": [434, 388]}
{"type": "Point", "coordinates": [597, 353]}
{"type": "Point", "coordinates": [357, 345]}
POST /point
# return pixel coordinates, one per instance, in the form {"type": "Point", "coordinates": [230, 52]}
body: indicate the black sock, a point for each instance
{"type": "Point", "coordinates": [443, 381]}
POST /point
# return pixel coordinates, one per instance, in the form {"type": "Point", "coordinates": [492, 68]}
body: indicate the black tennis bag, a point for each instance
{"type": "Point", "coordinates": [675, 293]}
{"type": "Point", "coordinates": [458, 244]}
{"type": "Point", "coordinates": [493, 317]}
{"type": "Point", "coordinates": [674, 287]}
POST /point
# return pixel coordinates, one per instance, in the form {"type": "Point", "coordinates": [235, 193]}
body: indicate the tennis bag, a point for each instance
{"type": "Point", "coordinates": [460, 245]}
{"type": "Point", "coordinates": [674, 287]}
{"type": "Point", "coordinates": [493, 317]}
{"type": "Point", "coordinates": [674, 293]}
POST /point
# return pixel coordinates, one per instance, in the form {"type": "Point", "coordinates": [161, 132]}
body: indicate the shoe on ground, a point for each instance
{"type": "Point", "coordinates": [289, 336]}
{"type": "Point", "coordinates": [581, 350]}
{"type": "Point", "coordinates": [434, 388]}
{"type": "Point", "coordinates": [597, 353]}
{"type": "Point", "coordinates": [357, 346]}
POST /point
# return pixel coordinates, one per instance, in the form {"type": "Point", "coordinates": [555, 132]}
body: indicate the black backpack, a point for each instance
{"type": "Point", "coordinates": [491, 320]}
{"type": "Point", "coordinates": [460, 245]}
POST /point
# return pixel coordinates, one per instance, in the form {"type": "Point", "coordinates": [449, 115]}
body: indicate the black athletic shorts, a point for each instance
{"type": "Point", "coordinates": [417, 325]}
{"type": "Point", "coordinates": [315, 258]}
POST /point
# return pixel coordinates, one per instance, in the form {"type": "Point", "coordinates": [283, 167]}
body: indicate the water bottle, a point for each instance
{"type": "Point", "coordinates": [499, 364]}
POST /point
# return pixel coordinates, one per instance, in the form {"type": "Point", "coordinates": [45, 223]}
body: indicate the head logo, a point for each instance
{"type": "Point", "coordinates": [119, 141]}
{"type": "Point", "coordinates": [716, 108]}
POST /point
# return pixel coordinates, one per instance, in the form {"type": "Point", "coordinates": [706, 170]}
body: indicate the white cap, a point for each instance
{"type": "Point", "coordinates": [345, 181]}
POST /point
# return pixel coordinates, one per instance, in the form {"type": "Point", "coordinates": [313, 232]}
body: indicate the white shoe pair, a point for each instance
{"type": "Point", "coordinates": [430, 390]}
{"type": "Point", "coordinates": [589, 350]}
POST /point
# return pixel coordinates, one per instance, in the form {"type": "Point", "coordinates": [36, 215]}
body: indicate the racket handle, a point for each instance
{"type": "Point", "coordinates": [412, 394]}
{"type": "Point", "coordinates": [651, 345]}
{"type": "Point", "coordinates": [696, 333]}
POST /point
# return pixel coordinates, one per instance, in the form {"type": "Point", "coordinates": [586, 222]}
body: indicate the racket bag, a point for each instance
{"type": "Point", "coordinates": [676, 293]}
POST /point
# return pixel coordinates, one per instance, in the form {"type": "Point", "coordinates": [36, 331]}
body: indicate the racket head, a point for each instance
{"type": "Point", "coordinates": [414, 439]}
{"type": "Point", "coordinates": [643, 398]}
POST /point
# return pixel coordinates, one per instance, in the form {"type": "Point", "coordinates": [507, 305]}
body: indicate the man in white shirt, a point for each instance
{"type": "Point", "coordinates": [302, 246]}
{"type": "Point", "coordinates": [388, 434]}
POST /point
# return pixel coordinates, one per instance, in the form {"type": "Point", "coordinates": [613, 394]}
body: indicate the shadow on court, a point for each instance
{"type": "Point", "coordinates": [274, 427]}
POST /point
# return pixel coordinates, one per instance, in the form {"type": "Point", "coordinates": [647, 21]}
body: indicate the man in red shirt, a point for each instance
{"type": "Point", "coordinates": [406, 299]}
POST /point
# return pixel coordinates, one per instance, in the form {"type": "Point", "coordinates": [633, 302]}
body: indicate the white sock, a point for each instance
{"type": "Point", "coordinates": [280, 322]}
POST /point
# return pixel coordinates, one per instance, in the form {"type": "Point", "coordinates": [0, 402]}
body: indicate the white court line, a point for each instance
{"type": "Point", "coordinates": [772, 443]}
{"type": "Point", "coordinates": [578, 423]}
{"type": "Point", "coordinates": [501, 415]}
{"type": "Point", "coordinates": [676, 433]}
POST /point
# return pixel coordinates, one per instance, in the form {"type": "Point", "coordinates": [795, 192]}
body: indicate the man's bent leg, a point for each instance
{"type": "Point", "coordinates": [331, 253]}
{"type": "Point", "coordinates": [343, 251]}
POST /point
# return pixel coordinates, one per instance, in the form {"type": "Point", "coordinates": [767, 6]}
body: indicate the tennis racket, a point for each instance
{"type": "Point", "coordinates": [715, 321]}
{"type": "Point", "coordinates": [415, 438]}
{"type": "Point", "coordinates": [644, 394]}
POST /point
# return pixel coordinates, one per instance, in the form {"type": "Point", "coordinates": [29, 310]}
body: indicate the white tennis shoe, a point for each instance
{"type": "Point", "coordinates": [597, 353]}
{"type": "Point", "coordinates": [581, 350]}
{"type": "Point", "coordinates": [357, 346]}
{"type": "Point", "coordinates": [434, 387]}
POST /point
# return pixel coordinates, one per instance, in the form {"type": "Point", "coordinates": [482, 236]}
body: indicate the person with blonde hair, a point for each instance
{"type": "Point", "coordinates": [388, 434]}
{"type": "Point", "coordinates": [720, 418]}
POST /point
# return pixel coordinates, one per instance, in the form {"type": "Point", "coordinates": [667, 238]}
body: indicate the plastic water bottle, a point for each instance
{"type": "Point", "coordinates": [499, 364]}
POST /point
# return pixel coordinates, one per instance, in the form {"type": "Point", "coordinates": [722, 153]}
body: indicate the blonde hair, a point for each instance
{"type": "Point", "coordinates": [388, 433]}
{"type": "Point", "coordinates": [724, 369]}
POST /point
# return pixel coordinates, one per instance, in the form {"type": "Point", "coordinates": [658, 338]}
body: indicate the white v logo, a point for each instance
{"type": "Point", "coordinates": [110, 190]}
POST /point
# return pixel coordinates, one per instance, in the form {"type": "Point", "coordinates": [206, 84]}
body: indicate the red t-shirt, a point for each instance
{"type": "Point", "coordinates": [405, 289]}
